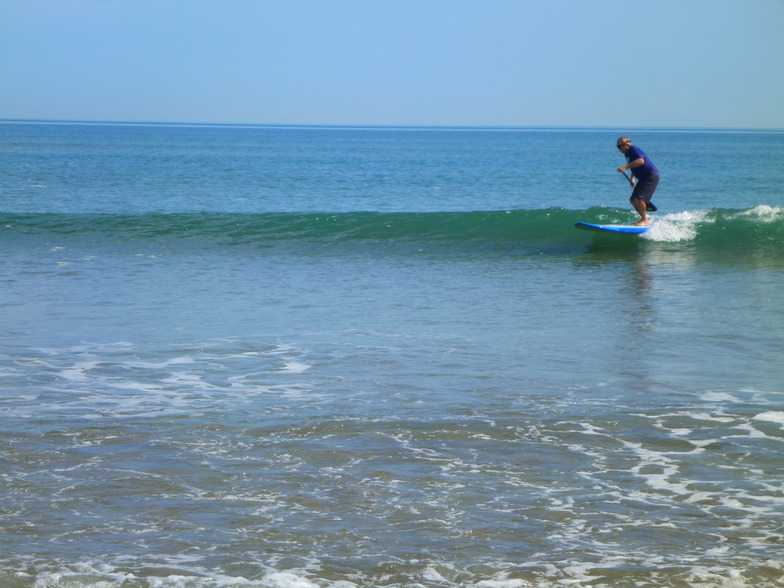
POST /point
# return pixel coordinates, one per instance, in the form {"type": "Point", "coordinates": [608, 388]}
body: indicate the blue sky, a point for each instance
{"type": "Point", "coordinates": [694, 63]}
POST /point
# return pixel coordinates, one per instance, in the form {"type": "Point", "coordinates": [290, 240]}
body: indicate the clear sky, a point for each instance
{"type": "Point", "coordinates": [664, 63]}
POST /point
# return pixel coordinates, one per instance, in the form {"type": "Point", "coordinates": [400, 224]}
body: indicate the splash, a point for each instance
{"type": "Point", "coordinates": [675, 227]}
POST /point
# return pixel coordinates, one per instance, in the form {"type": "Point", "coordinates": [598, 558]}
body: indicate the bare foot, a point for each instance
{"type": "Point", "coordinates": [641, 223]}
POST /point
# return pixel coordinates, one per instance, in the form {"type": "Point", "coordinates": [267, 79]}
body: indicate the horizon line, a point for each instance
{"type": "Point", "coordinates": [329, 126]}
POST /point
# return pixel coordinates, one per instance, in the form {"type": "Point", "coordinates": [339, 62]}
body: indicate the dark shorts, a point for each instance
{"type": "Point", "coordinates": [645, 188]}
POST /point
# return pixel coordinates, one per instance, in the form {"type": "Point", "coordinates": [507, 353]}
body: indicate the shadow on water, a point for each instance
{"type": "Point", "coordinates": [611, 246]}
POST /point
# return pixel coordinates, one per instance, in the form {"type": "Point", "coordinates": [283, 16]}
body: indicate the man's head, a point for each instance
{"type": "Point", "coordinates": [623, 144]}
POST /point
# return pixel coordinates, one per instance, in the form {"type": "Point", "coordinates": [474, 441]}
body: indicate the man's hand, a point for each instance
{"type": "Point", "coordinates": [622, 170]}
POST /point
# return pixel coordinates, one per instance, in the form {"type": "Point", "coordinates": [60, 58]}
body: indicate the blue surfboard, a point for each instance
{"type": "Point", "coordinates": [628, 229]}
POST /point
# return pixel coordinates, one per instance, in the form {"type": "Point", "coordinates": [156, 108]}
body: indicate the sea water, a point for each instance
{"type": "Point", "coordinates": [319, 357]}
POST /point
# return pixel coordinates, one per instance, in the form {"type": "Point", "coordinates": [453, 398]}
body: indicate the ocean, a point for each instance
{"type": "Point", "coordinates": [355, 357]}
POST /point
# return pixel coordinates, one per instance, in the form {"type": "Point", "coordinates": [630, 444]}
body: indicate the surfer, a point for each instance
{"type": "Point", "coordinates": [644, 180]}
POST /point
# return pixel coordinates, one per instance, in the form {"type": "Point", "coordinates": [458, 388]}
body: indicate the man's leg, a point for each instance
{"type": "Point", "coordinates": [640, 207]}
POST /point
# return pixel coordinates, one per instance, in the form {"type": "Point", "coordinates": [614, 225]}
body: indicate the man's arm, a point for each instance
{"type": "Point", "coordinates": [632, 164]}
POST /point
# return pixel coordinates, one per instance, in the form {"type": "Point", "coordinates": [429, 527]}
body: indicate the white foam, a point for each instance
{"type": "Point", "coordinates": [719, 397]}
{"type": "Point", "coordinates": [164, 364]}
{"type": "Point", "coordinates": [287, 580]}
{"type": "Point", "coordinates": [502, 583]}
{"type": "Point", "coordinates": [753, 432]}
{"type": "Point", "coordinates": [77, 373]}
{"type": "Point", "coordinates": [432, 575]}
{"type": "Point", "coordinates": [704, 416]}
{"type": "Point", "coordinates": [764, 213]}
{"type": "Point", "coordinates": [295, 367]}
{"type": "Point", "coordinates": [771, 417]}
{"type": "Point", "coordinates": [683, 226]}
{"type": "Point", "coordinates": [667, 469]}
{"type": "Point", "coordinates": [661, 481]}
{"type": "Point", "coordinates": [697, 497]}
{"type": "Point", "coordinates": [680, 226]}
{"type": "Point", "coordinates": [701, 443]}
{"type": "Point", "coordinates": [718, 551]}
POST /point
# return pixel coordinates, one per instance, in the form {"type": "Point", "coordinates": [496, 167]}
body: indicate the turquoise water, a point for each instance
{"type": "Point", "coordinates": [361, 357]}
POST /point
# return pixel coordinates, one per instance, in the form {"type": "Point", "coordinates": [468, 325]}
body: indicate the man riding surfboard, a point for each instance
{"type": "Point", "coordinates": [645, 178]}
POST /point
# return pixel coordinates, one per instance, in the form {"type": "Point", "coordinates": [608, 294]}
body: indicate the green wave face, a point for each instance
{"type": "Point", "coordinates": [730, 231]}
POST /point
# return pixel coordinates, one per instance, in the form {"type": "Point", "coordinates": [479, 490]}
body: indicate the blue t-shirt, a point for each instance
{"type": "Point", "coordinates": [646, 169]}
